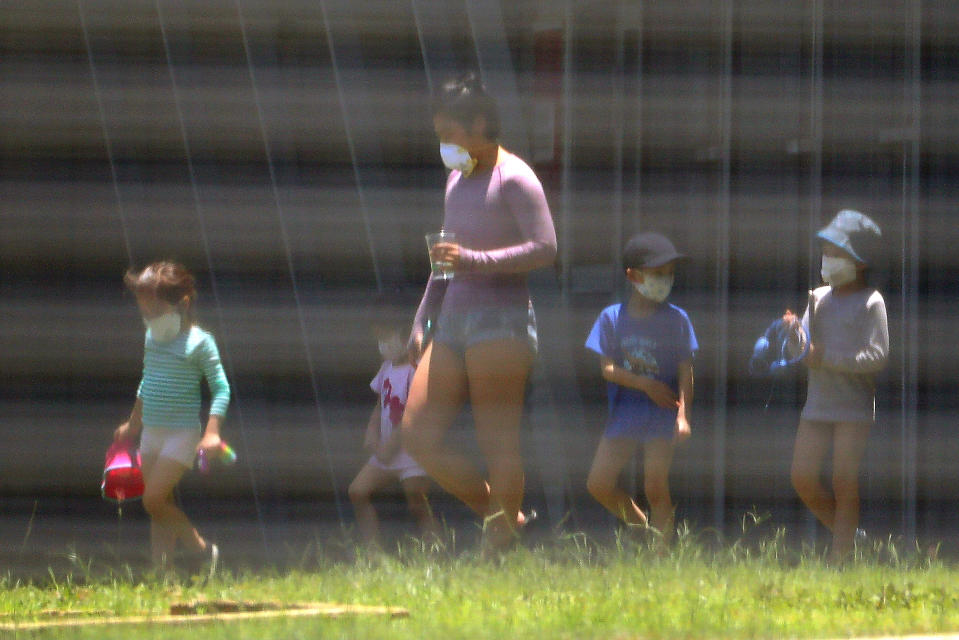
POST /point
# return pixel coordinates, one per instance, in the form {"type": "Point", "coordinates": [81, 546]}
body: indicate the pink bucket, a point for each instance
{"type": "Point", "coordinates": [122, 478]}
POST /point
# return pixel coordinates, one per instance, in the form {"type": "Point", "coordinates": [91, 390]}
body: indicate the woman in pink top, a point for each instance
{"type": "Point", "coordinates": [483, 329]}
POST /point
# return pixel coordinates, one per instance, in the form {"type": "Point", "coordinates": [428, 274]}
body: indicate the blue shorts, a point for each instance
{"type": "Point", "coordinates": [460, 331]}
{"type": "Point", "coordinates": [640, 432]}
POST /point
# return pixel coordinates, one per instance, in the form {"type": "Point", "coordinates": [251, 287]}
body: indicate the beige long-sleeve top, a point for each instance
{"type": "Point", "coordinates": [853, 335]}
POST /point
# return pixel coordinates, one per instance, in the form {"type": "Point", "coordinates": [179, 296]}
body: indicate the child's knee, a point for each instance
{"type": "Point", "coordinates": [155, 504]}
{"type": "Point", "coordinates": [845, 488]}
{"type": "Point", "coordinates": [358, 493]}
{"type": "Point", "coordinates": [802, 481]}
{"type": "Point", "coordinates": [657, 494]}
{"type": "Point", "coordinates": [598, 486]}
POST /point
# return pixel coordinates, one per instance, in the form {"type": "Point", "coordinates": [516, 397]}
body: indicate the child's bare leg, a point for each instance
{"type": "Point", "coordinates": [417, 489]}
{"type": "Point", "coordinates": [602, 482]}
{"type": "Point", "coordinates": [160, 541]}
{"type": "Point", "coordinates": [366, 482]}
{"type": "Point", "coordinates": [849, 443]}
{"type": "Point", "coordinates": [813, 440]}
{"type": "Point", "coordinates": [168, 523]}
{"type": "Point", "coordinates": [657, 460]}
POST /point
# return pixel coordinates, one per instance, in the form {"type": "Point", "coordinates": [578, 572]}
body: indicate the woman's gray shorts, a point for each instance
{"type": "Point", "coordinates": [462, 330]}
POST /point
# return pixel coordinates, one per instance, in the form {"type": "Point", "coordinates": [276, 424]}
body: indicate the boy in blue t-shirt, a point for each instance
{"type": "Point", "coordinates": [646, 348]}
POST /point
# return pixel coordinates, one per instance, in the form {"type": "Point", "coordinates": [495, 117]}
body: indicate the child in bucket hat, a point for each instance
{"type": "Point", "coordinates": [855, 233]}
{"type": "Point", "coordinates": [849, 344]}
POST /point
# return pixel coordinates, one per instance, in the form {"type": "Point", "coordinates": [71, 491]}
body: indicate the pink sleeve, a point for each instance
{"type": "Point", "coordinates": [409, 383]}
{"type": "Point", "coordinates": [523, 194]}
{"type": "Point", "coordinates": [429, 305]}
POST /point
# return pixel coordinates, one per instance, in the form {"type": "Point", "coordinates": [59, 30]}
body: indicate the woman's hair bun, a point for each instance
{"type": "Point", "coordinates": [464, 98]}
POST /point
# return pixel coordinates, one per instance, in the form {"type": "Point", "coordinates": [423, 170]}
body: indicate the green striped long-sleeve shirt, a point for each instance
{"type": "Point", "coordinates": [170, 388]}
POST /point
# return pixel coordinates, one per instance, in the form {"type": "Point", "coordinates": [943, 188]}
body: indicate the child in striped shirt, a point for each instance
{"type": "Point", "coordinates": [166, 414]}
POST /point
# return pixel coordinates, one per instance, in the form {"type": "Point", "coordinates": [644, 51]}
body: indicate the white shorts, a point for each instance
{"type": "Point", "coordinates": [402, 465]}
{"type": "Point", "coordinates": [175, 443]}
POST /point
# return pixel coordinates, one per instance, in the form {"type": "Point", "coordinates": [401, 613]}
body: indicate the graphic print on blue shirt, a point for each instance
{"type": "Point", "coordinates": [652, 346]}
{"type": "Point", "coordinates": [639, 355]}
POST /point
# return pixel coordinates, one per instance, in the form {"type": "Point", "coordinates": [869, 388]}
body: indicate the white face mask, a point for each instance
{"type": "Point", "coordinates": [656, 288]}
{"type": "Point", "coordinates": [837, 271]}
{"type": "Point", "coordinates": [392, 349]}
{"type": "Point", "coordinates": [456, 157]}
{"type": "Point", "coordinates": [163, 328]}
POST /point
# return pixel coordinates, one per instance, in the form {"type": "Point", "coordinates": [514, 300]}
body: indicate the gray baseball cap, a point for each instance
{"type": "Point", "coordinates": [649, 250]}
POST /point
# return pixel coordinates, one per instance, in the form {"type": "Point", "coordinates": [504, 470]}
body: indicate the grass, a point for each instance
{"type": "Point", "coordinates": [567, 587]}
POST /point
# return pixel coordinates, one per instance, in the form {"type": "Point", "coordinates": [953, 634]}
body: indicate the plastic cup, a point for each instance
{"type": "Point", "coordinates": [441, 270]}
